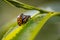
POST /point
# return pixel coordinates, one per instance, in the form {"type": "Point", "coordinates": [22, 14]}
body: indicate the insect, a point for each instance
{"type": "Point", "coordinates": [22, 19]}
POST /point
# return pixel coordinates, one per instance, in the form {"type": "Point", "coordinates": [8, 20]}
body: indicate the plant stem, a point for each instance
{"type": "Point", "coordinates": [24, 6]}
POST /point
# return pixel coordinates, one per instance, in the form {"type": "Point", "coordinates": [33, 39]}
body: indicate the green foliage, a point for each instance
{"type": "Point", "coordinates": [25, 6]}
{"type": "Point", "coordinates": [29, 30]}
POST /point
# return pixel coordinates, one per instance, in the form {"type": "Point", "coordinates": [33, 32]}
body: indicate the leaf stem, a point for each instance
{"type": "Point", "coordinates": [24, 6]}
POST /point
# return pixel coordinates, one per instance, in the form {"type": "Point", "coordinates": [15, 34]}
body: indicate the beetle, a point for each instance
{"type": "Point", "coordinates": [22, 19]}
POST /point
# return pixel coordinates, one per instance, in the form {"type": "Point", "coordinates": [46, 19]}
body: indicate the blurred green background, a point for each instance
{"type": "Point", "coordinates": [50, 31]}
{"type": "Point", "coordinates": [8, 12]}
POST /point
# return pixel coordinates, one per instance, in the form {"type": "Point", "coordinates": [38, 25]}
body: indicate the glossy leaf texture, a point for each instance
{"type": "Point", "coordinates": [29, 30]}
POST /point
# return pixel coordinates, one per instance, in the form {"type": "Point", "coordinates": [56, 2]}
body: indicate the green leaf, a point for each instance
{"type": "Point", "coordinates": [23, 5]}
{"type": "Point", "coordinates": [50, 30]}
{"type": "Point", "coordinates": [29, 30]}
{"type": "Point", "coordinates": [6, 27]}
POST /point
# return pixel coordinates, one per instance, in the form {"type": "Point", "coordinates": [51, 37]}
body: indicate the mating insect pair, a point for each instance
{"type": "Point", "coordinates": [22, 19]}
